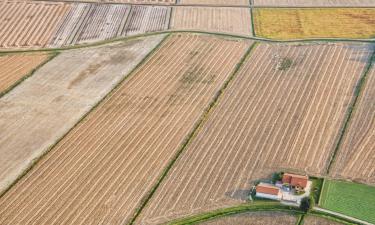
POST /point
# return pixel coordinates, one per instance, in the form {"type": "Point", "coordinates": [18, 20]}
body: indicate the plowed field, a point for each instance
{"type": "Point", "coordinates": [215, 2]}
{"type": "Point", "coordinates": [283, 111]}
{"type": "Point", "coordinates": [314, 220]}
{"type": "Point", "coordinates": [102, 169]}
{"type": "Point", "coordinates": [226, 20]}
{"type": "Point", "coordinates": [14, 67]}
{"type": "Point", "coordinates": [292, 3]}
{"type": "Point", "coordinates": [355, 159]}
{"type": "Point", "coordinates": [258, 218]}
{"type": "Point", "coordinates": [145, 19]}
{"type": "Point", "coordinates": [35, 114]}
{"type": "Point", "coordinates": [29, 24]}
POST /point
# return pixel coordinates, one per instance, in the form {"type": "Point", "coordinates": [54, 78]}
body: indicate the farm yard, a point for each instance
{"type": "Point", "coordinates": [15, 67]}
{"type": "Point", "coordinates": [355, 159]}
{"type": "Point", "coordinates": [226, 20]}
{"type": "Point", "coordinates": [314, 23]}
{"type": "Point", "coordinates": [315, 3]}
{"type": "Point", "coordinates": [214, 2]}
{"type": "Point", "coordinates": [32, 121]}
{"type": "Point", "coordinates": [279, 113]}
{"type": "Point", "coordinates": [256, 218]}
{"type": "Point", "coordinates": [104, 167]}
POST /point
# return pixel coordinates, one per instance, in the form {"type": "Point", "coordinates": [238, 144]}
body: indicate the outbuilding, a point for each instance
{"type": "Point", "coordinates": [269, 191]}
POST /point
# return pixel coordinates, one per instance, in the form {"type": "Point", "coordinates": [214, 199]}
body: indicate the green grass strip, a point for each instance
{"type": "Point", "coordinates": [190, 136]}
{"type": "Point", "coordinates": [36, 160]}
{"type": "Point", "coordinates": [300, 220]}
{"type": "Point", "coordinates": [357, 93]}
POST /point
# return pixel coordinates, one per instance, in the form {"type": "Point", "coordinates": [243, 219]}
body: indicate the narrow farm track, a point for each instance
{"type": "Point", "coordinates": [226, 20]}
{"type": "Point", "coordinates": [314, 3]}
{"type": "Point", "coordinates": [272, 117]}
{"type": "Point", "coordinates": [355, 159]}
{"type": "Point", "coordinates": [127, 140]}
{"type": "Point", "coordinates": [144, 19]}
{"type": "Point", "coordinates": [255, 218]}
{"type": "Point", "coordinates": [14, 67]}
{"type": "Point", "coordinates": [31, 121]}
{"type": "Point", "coordinates": [29, 24]}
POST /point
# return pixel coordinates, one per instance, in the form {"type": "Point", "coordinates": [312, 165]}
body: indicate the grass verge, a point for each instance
{"type": "Point", "coordinates": [300, 220]}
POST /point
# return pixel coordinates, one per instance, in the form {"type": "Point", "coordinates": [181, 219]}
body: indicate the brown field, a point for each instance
{"type": "Point", "coordinates": [29, 24]}
{"type": "Point", "coordinates": [161, 2]}
{"type": "Point", "coordinates": [14, 67]}
{"type": "Point", "coordinates": [214, 2]}
{"type": "Point", "coordinates": [226, 20]}
{"type": "Point", "coordinates": [314, 2]}
{"type": "Point", "coordinates": [283, 111]}
{"type": "Point", "coordinates": [99, 173]}
{"type": "Point", "coordinates": [355, 159]}
{"type": "Point", "coordinates": [314, 220]}
{"type": "Point", "coordinates": [35, 114]}
{"type": "Point", "coordinates": [255, 218]}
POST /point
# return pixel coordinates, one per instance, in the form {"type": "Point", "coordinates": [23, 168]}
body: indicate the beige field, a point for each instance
{"type": "Point", "coordinates": [255, 218]}
{"type": "Point", "coordinates": [314, 220]}
{"type": "Point", "coordinates": [29, 24]}
{"type": "Point", "coordinates": [226, 20]}
{"type": "Point", "coordinates": [274, 116]}
{"type": "Point", "coordinates": [35, 114]}
{"type": "Point", "coordinates": [355, 160]}
{"type": "Point", "coordinates": [15, 67]}
{"type": "Point", "coordinates": [99, 173]}
{"type": "Point", "coordinates": [292, 3]}
{"type": "Point", "coordinates": [214, 2]}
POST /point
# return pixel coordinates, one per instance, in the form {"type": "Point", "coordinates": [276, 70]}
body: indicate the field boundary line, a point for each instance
{"type": "Point", "coordinates": [351, 109]}
{"type": "Point", "coordinates": [252, 21]}
{"type": "Point", "coordinates": [301, 219]}
{"type": "Point", "coordinates": [341, 216]}
{"type": "Point", "coordinates": [170, 18]}
{"type": "Point", "coordinates": [331, 217]}
{"type": "Point", "coordinates": [191, 134]}
{"type": "Point", "coordinates": [109, 94]}
{"type": "Point", "coordinates": [51, 56]}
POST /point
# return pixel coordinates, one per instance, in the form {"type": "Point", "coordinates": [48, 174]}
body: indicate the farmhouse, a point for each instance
{"type": "Point", "coordinates": [265, 190]}
{"type": "Point", "coordinates": [295, 181]}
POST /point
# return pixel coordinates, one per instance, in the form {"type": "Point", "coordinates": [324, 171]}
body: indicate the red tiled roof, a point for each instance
{"type": "Point", "coordinates": [295, 180]}
{"type": "Point", "coordinates": [267, 189]}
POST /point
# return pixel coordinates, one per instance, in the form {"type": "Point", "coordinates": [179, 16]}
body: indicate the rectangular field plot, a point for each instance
{"type": "Point", "coordinates": [29, 24]}
{"type": "Point", "coordinates": [282, 112]}
{"type": "Point", "coordinates": [315, 220]}
{"type": "Point", "coordinates": [101, 171]}
{"type": "Point", "coordinates": [226, 20]}
{"type": "Point", "coordinates": [161, 2]}
{"type": "Point", "coordinates": [144, 19]}
{"type": "Point", "coordinates": [35, 114]}
{"type": "Point", "coordinates": [14, 68]}
{"type": "Point", "coordinates": [351, 199]}
{"type": "Point", "coordinates": [307, 3]}
{"type": "Point", "coordinates": [355, 159]}
{"type": "Point", "coordinates": [214, 2]}
{"type": "Point", "coordinates": [314, 23]}
{"type": "Point", "coordinates": [255, 218]}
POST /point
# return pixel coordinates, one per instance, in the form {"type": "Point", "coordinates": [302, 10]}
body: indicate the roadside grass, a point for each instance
{"type": "Point", "coordinates": [293, 23]}
{"type": "Point", "coordinates": [317, 186]}
{"type": "Point", "coordinates": [352, 199]}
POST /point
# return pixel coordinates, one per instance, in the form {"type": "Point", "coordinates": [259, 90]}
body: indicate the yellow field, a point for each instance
{"type": "Point", "coordinates": [315, 23]}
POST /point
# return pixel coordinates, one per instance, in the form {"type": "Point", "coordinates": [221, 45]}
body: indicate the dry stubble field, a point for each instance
{"type": "Point", "coordinates": [255, 218]}
{"type": "Point", "coordinates": [291, 3]}
{"type": "Point", "coordinates": [226, 20]}
{"type": "Point", "coordinates": [355, 159]}
{"type": "Point", "coordinates": [17, 66]}
{"type": "Point", "coordinates": [215, 2]}
{"type": "Point", "coordinates": [315, 23]}
{"type": "Point", "coordinates": [283, 111]}
{"type": "Point", "coordinates": [35, 114]}
{"type": "Point", "coordinates": [314, 220]}
{"type": "Point", "coordinates": [102, 169]}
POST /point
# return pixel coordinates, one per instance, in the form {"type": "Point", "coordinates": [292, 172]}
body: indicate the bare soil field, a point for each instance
{"type": "Point", "coordinates": [29, 24]}
{"type": "Point", "coordinates": [355, 160]}
{"type": "Point", "coordinates": [214, 2]}
{"type": "Point", "coordinates": [39, 111]}
{"type": "Point", "coordinates": [255, 218]}
{"type": "Point", "coordinates": [144, 19]}
{"type": "Point", "coordinates": [161, 2]}
{"type": "Point", "coordinates": [282, 112]}
{"type": "Point", "coordinates": [314, 220]}
{"type": "Point", "coordinates": [15, 67]}
{"type": "Point", "coordinates": [226, 20]}
{"type": "Point", "coordinates": [99, 172]}
{"type": "Point", "coordinates": [292, 3]}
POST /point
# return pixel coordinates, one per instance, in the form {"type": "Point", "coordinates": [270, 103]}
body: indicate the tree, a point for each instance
{"type": "Point", "coordinates": [305, 204]}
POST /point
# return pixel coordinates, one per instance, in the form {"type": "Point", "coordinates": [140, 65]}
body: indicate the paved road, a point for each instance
{"type": "Point", "coordinates": [342, 215]}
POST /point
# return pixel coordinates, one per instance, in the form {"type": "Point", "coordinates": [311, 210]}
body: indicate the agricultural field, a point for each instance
{"type": "Point", "coordinates": [255, 218]}
{"type": "Point", "coordinates": [104, 167]}
{"type": "Point", "coordinates": [314, 220]}
{"type": "Point", "coordinates": [307, 3]}
{"type": "Point", "coordinates": [39, 111]}
{"type": "Point", "coordinates": [352, 199]}
{"type": "Point", "coordinates": [16, 66]}
{"type": "Point", "coordinates": [355, 159]}
{"type": "Point", "coordinates": [227, 20]}
{"type": "Point", "coordinates": [282, 112]}
{"type": "Point", "coordinates": [214, 2]}
{"type": "Point", "coordinates": [314, 23]}
{"type": "Point", "coordinates": [144, 19]}
{"type": "Point", "coordinates": [26, 24]}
